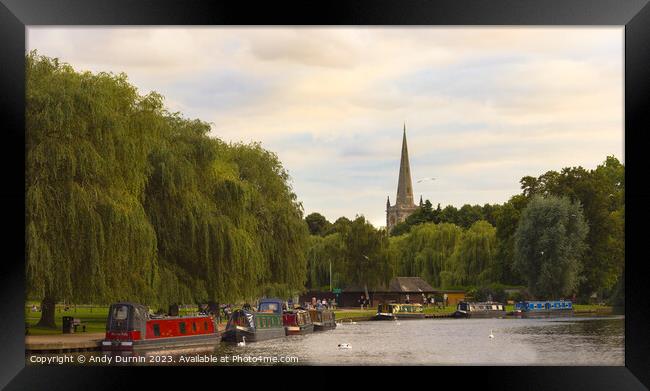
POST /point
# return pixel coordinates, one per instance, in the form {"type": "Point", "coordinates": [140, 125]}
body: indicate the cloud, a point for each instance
{"type": "Point", "coordinates": [483, 106]}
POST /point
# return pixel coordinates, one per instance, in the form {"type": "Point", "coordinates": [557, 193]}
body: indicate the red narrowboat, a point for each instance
{"type": "Point", "coordinates": [130, 327]}
{"type": "Point", "coordinates": [297, 322]}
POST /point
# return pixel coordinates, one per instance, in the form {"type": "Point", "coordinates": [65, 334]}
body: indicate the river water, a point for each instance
{"type": "Point", "coordinates": [560, 341]}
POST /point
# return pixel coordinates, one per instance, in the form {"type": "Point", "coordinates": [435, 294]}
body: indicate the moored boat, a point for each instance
{"type": "Point", "coordinates": [480, 310]}
{"type": "Point", "coordinates": [543, 308]}
{"type": "Point", "coordinates": [130, 327]}
{"type": "Point", "coordinates": [297, 322]}
{"type": "Point", "coordinates": [323, 319]}
{"type": "Point", "coordinates": [394, 311]}
{"type": "Point", "coordinates": [265, 323]}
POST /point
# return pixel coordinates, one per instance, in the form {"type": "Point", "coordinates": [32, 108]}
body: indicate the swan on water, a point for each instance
{"type": "Point", "coordinates": [491, 335]}
{"type": "Point", "coordinates": [243, 342]}
{"type": "Point", "coordinates": [345, 346]}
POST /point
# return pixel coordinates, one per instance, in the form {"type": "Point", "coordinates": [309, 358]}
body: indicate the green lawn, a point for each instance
{"type": "Point", "coordinates": [347, 314]}
{"type": "Point", "coordinates": [93, 317]}
{"type": "Point", "coordinates": [440, 310]}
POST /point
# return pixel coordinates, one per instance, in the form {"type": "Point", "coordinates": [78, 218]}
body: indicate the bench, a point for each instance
{"type": "Point", "coordinates": [77, 323]}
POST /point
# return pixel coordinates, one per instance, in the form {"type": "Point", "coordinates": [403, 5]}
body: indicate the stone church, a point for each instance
{"type": "Point", "coordinates": [404, 204]}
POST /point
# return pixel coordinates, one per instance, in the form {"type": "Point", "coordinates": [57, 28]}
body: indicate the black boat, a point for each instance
{"type": "Point", "coordinates": [487, 309]}
{"type": "Point", "coordinates": [265, 323]}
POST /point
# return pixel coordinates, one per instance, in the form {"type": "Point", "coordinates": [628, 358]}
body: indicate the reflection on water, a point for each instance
{"type": "Point", "coordinates": [560, 341]}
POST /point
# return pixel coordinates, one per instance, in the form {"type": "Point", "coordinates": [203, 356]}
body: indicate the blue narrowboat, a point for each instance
{"type": "Point", "coordinates": [544, 308]}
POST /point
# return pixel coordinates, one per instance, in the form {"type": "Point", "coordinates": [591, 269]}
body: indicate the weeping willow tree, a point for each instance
{"type": "Point", "coordinates": [366, 262]}
{"type": "Point", "coordinates": [325, 252]}
{"type": "Point", "coordinates": [426, 251]}
{"type": "Point", "coordinates": [474, 258]}
{"type": "Point", "coordinates": [199, 207]}
{"type": "Point", "coordinates": [126, 201]}
{"type": "Point", "coordinates": [279, 229]}
{"type": "Point", "coordinates": [87, 235]}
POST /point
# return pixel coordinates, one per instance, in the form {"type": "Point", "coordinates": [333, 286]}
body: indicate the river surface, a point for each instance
{"type": "Point", "coordinates": [559, 341]}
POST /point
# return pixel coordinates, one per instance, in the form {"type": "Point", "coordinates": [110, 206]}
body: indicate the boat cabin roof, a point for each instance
{"type": "Point", "coordinates": [270, 306]}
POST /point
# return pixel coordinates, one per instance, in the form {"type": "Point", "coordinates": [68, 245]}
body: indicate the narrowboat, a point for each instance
{"type": "Point", "coordinates": [480, 310]}
{"type": "Point", "coordinates": [265, 323]}
{"type": "Point", "coordinates": [323, 319]}
{"type": "Point", "coordinates": [393, 311]}
{"type": "Point", "coordinates": [129, 326]}
{"type": "Point", "coordinates": [527, 309]}
{"type": "Point", "coordinates": [297, 322]}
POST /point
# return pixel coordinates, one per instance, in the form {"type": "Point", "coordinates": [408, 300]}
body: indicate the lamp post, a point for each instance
{"type": "Point", "coordinates": [365, 285]}
{"type": "Point", "coordinates": [330, 275]}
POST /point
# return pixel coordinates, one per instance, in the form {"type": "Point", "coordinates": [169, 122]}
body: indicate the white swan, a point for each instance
{"type": "Point", "coordinates": [353, 322]}
{"type": "Point", "coordinates": [491, 335]}
{"type": "Point", "coordinates": [345, 346]}
{"type": "Point", "coordinates": [243, 342]}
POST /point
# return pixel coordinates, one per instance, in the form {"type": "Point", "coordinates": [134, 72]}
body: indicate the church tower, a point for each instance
{"type": "Point", "coordinates": [404, 204]}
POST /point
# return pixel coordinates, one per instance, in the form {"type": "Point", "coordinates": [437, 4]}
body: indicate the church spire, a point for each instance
{"type": "Point", "coordinates": [404, 184]}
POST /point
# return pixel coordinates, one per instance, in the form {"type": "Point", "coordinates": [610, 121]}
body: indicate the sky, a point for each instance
{"type": "Point", "coordinates": [483, 107]}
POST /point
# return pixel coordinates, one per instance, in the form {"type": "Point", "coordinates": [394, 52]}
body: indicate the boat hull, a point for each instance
{"type": "Point", "coordinates": [324, 326]}
{"type": "Point", "coordinates": [161, 343]}
{"type": "Point", "coordinates": [384, 316]}
{"type": "Point", "coordinates": [252, 335]}
{"type": "Point", "coordinates": [410, 316]}
{"type": "Point", "coordinates": [299, 330]}
{"type": "Point", "coordinates": [544, 314]}
{"type": "Point", "coordinates": [480, 314]}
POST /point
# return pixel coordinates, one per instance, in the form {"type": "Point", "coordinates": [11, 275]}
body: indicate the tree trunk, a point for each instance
{"type": "Point", "coordinates": [48, 306]}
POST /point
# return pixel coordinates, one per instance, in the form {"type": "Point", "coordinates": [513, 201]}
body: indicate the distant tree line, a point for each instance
{"type": "Point", "coordinates": [563, 235]}
{"type": "Point", "coordinates": [127, 201]}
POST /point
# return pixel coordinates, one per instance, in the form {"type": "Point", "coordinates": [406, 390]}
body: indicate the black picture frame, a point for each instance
{"type": "Point", "coordinates": [15, 15]}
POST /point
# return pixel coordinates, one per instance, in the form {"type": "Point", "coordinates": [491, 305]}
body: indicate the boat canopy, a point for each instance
{"type": "Point", "coordinates": [127, 316]}
{"type": "Point", "coordinates": [242, 318]}
{"type": "Point", "coordinates": [270, 306]}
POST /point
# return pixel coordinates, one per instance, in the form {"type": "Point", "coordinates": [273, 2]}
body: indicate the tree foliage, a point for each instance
{"type": "Point", "coordinates": [427, 251]}
{"type": "Point", "coordinates": [474, 258]}
{"type": "Point", "coordinates": [549, 243]}
{"type": "Point", "coordinates": [126, 201]}
{"type": "Point", "coordinates": [318, 224]}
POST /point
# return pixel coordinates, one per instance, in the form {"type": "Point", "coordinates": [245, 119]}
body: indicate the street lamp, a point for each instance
{"type": "Point", "coordinates": [330, 274]}
{"type": "Point", "coordinates": [365, 285]}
